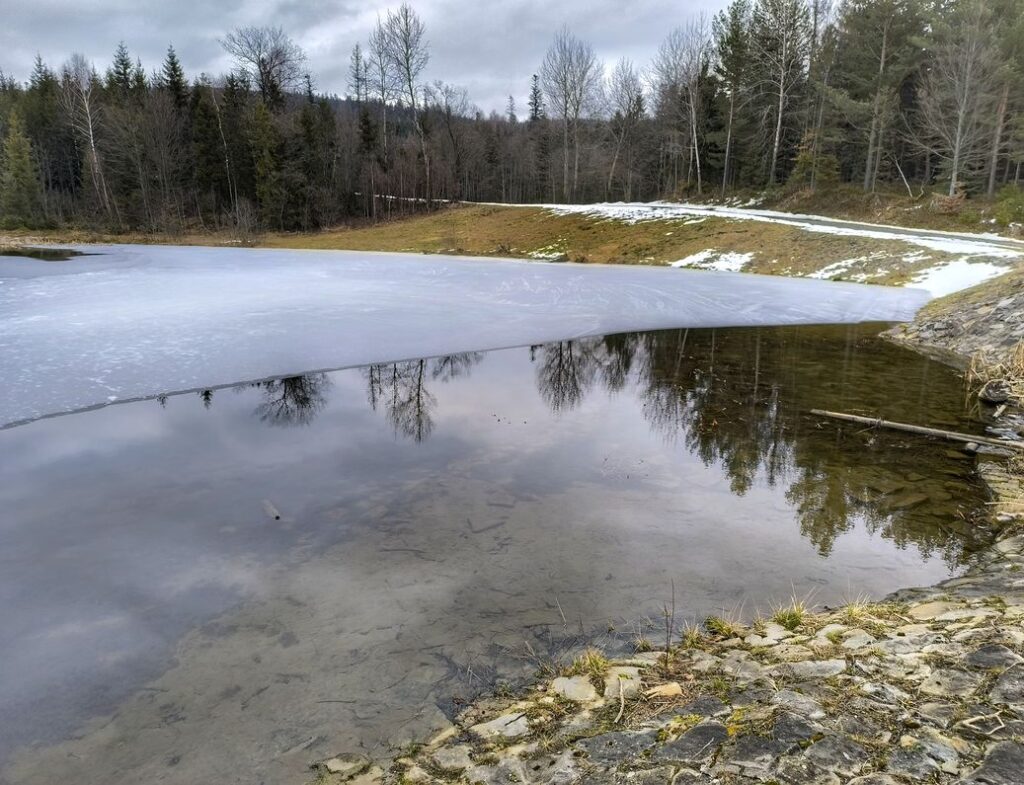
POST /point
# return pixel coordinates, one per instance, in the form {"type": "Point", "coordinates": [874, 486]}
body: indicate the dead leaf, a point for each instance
{"type": "Point", "coordinates": [668, 690]}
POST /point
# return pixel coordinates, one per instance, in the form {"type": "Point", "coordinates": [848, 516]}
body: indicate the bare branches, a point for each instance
{"type": "Point", "coordinates": [406, 51]}
{"type": "Point", "coordinates": [406, 54]}
{"type": "Point", "coordinates": [268, 57]}
{"type": "Point", "coordinates": [956, 92]}
{"type": "Point", "coordinates": [570, 77]}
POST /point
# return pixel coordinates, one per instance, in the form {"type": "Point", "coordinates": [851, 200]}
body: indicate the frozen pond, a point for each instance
{"type": "Point", "coordinates": [224, 580]}
{"type": "Point", "coordinates": [131, 322]}
{"type": "Point", "coordinates": [445, 525]}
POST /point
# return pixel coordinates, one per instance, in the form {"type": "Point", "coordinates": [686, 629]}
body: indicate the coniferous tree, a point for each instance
{"type": "Point", "coordinates": [173, 80]}
{"type": "Point", "coordinates": [536, 103]}
{"type": "Point", "coordinates": [119, 75]}
{"type": "Point", "coordinates": [21, 198]}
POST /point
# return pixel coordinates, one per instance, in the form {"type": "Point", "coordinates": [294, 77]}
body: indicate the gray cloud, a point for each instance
{"type": "Point", "coordinates": [491, 48]}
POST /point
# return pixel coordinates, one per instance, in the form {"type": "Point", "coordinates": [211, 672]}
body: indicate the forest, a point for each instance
{"type": "Point", "coordinates": [924, 96]}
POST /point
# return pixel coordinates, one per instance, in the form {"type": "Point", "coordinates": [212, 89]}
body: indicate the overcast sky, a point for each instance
{"type": "Point", "coordinates": [490, 48]}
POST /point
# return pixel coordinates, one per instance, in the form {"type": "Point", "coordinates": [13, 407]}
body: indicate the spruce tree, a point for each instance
{"type": "Point", "coordinates": [119, 75]}
{"type": "Point", "coordinates": [21, 197]}
{"type": "Point", "coordinates": [172, 78]}
{"type": "Point", "coordinates": [536, 102]}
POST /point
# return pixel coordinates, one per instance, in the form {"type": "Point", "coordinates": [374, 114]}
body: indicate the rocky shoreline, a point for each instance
{"type": "Point", "coordinates": [986, 320]}
{"type": "Point", "coordinates": [926, 686]}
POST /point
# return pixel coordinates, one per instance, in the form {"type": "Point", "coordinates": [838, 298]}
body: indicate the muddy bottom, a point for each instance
{"type": "Point", "coordinates": [226, 587]}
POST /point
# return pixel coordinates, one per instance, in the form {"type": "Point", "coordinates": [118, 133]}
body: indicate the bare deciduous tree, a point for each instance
{"type": "Point", "coordinates": [626, 104]}
{"type": "Point", "coordinates": [781, 34]}
{"type": "Point", "coordinates": [680, 68]}
{"type": "Point", "coordinates": [268, 57]}
{"type": "Point", "coordinates": [81, 105]}
{"type": "Point", "coordinates": [571, 77]}
{"type": "Point", "coordinates": [407, 54]}
{"type": "Point", "coordinates": [382, 78]}
{"type": "Point", "coordinates": [955, 93]}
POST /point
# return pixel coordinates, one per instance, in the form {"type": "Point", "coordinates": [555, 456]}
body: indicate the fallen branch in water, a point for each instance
{"type": "Point", "coordinates": [920, 429]}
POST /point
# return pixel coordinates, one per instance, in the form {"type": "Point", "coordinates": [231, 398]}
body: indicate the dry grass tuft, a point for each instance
{"type": "Point", "coordinates": [986, 369]}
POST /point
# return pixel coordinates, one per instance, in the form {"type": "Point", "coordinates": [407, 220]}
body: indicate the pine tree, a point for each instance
{"type": "Point", "coordinates": [172, 78]}
{"type": "Point", "coordinates": [21, 196]}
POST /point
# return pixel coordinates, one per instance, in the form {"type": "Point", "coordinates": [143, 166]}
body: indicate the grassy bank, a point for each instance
{"type": "Point", "coordinates": [898, 208]}
{"type": "Point", "coordinates": [487, 230]}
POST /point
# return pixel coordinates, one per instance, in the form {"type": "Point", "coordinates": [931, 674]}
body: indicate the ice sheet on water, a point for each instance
{"type": "Point", "coordinates": [138, 321]}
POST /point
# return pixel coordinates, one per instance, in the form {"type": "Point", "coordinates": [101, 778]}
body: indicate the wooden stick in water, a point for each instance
{"type": "Point", "coordinates": [920, 429]}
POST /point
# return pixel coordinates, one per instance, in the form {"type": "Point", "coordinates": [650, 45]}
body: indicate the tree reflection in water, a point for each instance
{"type": "Point", "coordinates": [293, 400]}
{"type": "Point", "coordinates": [739, 399]}
{"type": "Point", "coordinates": [401, 390]}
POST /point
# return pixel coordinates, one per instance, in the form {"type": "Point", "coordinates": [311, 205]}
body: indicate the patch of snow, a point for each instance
{"type": "Point", "coordinates": [964, 244]}
{"type": "Point", "coordinates": [953, 276]}
{"type": "Point", "coordinates": [139, 321]}
{"type": "Point", "coordinates": [549, 252]}
{"type": "Point", "coordinates": [836, 268]}
{"type": "Point", "coordinates": [710, 259]}
{"type": "Point", "coordinates": [916, 257]}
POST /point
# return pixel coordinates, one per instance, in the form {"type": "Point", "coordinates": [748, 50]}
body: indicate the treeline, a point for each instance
{"type": "Point", "coordinates": [916, 94]}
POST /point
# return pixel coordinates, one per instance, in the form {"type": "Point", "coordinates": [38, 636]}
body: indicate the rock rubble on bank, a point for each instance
{"type": "Point", "coordinates": [927, 686]}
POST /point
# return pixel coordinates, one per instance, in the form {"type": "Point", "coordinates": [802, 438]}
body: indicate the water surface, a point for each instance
{"type": "Point", "coordinates": [444, 524]}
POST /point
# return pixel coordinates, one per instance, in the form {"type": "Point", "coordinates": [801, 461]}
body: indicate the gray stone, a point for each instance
{"type": "Point", "coordinates": [857, 639]}
{"type": "Point", "coordinates": [346, 765]}
{"type": "Point", "coordinates": [660, 776]}
{"type": "Point", "coordinates": [507, 725]}
{"type": "Point", "coordinates": [937, 713]}
{"type": "Point", "coordinates": [993, 656]}
{"type": "Point", "coordinates": [455, 757]}
{"type": "Point", "coordinates": [815, 669]}
{"type": "Point", "coordinates": [739, 664]}
{"type": "Point", "coordinates": [704, 706]}
{"type": "Point", "coordinates": [703, 662]}
{"type": "Point", "coordinates": [949, 681]}
{"type": "Point", "coordinates": [755, 755]}
{"type": "Point", "coordinates": [913, 763]}
{"type": "Point", "coordinates": [372, 776]}
{"type": "Point", "coordinates": [931, 610]}
{"type": "Point", "coordinates": [574, 688]}
{"type": "Point", "coordinates": [697, 746]}
{"type": "Point", "coordinates": [792, 729]}
{"type": "Point", "coordinates": [990, 727]}
{"type": "Point", "coordinates": [873, 779]}
{"type": "Point", "coordinates": [622, 679]}
{"type": "Point", "coordinates": [560, 769]}
{"type": "Point", "coordinates": [924, 755]}
{"type": "Point", "coordinates": [1009, 688]}
{"type": "Point", "coordinates": [1003, 765]}
{"type": "Point", "coordinates": [839, 754]}
{"type": "Point", "coordinates": [797, 770]}
{"type": "Point", "coordinates": [617, 746]}
{"type": "Point", "coordinates": [799, 703]}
